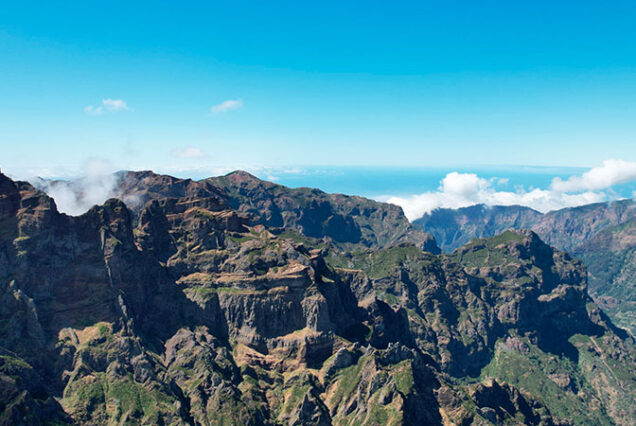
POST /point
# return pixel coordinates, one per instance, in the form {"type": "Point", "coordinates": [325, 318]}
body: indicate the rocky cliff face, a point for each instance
{"type": "Point", "coordinates": [197, 306]}
{"type": "Point", "coordinates": [347, 221]}
{"type": "Point", "coordinates": [565, 229]}
{"type": "Point", "coordinates": [610, 256]}
{"type": "Point", "coordinates": [569, 228]}
{"type": "Point", "coordinates": [599, 234]}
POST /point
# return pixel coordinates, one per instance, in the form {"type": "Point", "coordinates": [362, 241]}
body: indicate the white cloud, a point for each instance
{"type": "Point", "coordinates": [611, 173]}
{"type": "Point", "coordinates": [77, 196]}
{"type": "Point", "coordinates": [112, 105]}
{"type": "Point", "coordinates": [464, 185]}
{"type": "Point", "coordinates": [93, 110]}
{"type": "Point", "coordinates": [189, 152]}
{"type": "Point", "coordinates": [228, 105]}
{"type": "Point", "coordinates": [465, 189]}
{"type": "Point", "coordinates": [115, 105]}
{"type": "Point", "coordinates": [503, 181]}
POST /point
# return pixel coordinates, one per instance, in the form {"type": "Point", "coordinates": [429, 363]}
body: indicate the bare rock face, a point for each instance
{"type": "Point", "coordinates": [497, 402]}
{"type": "Point", "coordinates": [602, 235]}
{"type": "Point", "coordinates": [24, 389]}
{"type": "Point", "coordinates": [453, 228]}
{"type": "Point", "coordinates": [565, 229]}
{"type": "Point", "coordinates": [345, 220]}
{"type": "Point", "coordinates": [237, 301]}
{"type": "Point", "coordinates": [610, 256]}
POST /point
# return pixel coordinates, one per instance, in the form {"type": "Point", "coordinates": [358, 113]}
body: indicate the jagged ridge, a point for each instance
{"type": "Point", "coordinates": [587, 232]}
{"type": "Point", "coordinates": [188, 310]}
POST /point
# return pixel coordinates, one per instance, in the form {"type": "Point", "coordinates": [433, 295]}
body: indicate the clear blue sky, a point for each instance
{"type": "Point", "coordinates": [329, 83]}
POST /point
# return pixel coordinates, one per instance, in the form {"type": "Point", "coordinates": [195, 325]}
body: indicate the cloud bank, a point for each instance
{"type": "Point", "coordinates": [228, 105]}
{"type": "Point", "coordinates": [465, 189]}
{"type": "Point", "coordinates": [107, 105]}
{"type": "Point", "coordinates": [612, 172]}
{"type": "Point", "coordinates": [77, 196]}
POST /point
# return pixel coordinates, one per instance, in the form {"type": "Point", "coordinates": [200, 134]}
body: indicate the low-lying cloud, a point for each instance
{"type": "Point", "coordinates": [612, 172]}
{"type": "Point", "coordinates": [465, 189]}
{"type": "Point", "coordinates": [456, 189]}
{"type": "Point", "coordinates": [77, 196]}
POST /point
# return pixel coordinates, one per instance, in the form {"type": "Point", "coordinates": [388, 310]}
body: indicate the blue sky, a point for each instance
{"type": "Point", "coordinates": [418, 84]}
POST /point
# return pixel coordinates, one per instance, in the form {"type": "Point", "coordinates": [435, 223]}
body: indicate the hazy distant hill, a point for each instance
{"type": "Point", "coordinates": [610, 256]}
{"type": "Point", "coordinates": [455, 227]}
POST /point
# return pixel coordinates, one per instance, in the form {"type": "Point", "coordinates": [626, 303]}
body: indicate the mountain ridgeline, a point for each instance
{"type": "Point", "coordinates": [565, 229]}
{"type": "Point", "coordinates": [348, 221]}
{"type": "Point", "coordinates": [603, 235]}
{"type": "Point", "coordinates": [232, 300]}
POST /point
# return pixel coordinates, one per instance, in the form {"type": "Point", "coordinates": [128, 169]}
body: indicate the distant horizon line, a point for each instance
{"type": "Point", "coordinates": [224, 170]}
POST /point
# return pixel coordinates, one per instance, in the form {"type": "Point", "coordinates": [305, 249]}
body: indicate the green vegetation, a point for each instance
{"type": "Point", "coordinates": [347, 380]}
{"type": "Point", "coordinates": [103, 329]}
{"type": "Point", "coordinates": [13, 366]}
{"type": "Point", "coordinates": [506, 237]}
{"type": "Point", "coordinates": [240, 238]}
{"type": "Point", "coordinates": [403, 376]}
{"type": "Point", "coordinates": [187, 333]}
{"type": "Point", "coordinates": [293, 396]}
{"type": "Point", "coordinates": [120, 397]}
{"type": "Point", "coordinates": [547, 377]}
{"type": "Point", "coordinates": [381, 263]}
{"type": "Point", "coordinates": [299, 238]}
{"type": "Point", "coordinates": [481, 256]}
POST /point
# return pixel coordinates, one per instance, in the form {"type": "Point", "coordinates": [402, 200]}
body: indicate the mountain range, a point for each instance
{"type": "Point", "coordinates": [603, 235]}
{"type": "Point", "coordinates": [232, 300]}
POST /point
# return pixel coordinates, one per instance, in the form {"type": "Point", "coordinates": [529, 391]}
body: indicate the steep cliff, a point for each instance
{"type": "Point", "coordinates": [565, 229]}
{"type": "Point", "coordinates": [599, 234]}
{"type": "Point", "coordinates": [610, 256]}
{"type": "Point", "coordinates": [348, 221]}
{"type": "Point", "coordinates": [191, 309]}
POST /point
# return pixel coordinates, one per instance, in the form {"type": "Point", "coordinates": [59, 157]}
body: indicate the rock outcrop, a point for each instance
{"type": "Point", "coordinates": [198, 306]}
{"type": "Point", "coordinates": [599, 234]}
{"type": "Point", "coordinates": [347, 221]}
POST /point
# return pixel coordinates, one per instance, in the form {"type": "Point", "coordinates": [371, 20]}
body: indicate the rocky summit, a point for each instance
{"type": "Point", "coordinates": [232, 300]}
{"type": "Point", "coordinates": [603, 235]}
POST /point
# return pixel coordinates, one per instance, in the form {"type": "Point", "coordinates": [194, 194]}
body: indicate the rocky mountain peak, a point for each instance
{"type": "Point", "coordinates": [205, 305]}
{"type": "Point", "coordinates": [9, 197]}
{"type": "Point", "coordinates": [241, 176]}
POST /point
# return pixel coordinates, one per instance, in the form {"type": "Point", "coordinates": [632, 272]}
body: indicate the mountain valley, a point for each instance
{"type": "Point", "coordinates": [233, 300]}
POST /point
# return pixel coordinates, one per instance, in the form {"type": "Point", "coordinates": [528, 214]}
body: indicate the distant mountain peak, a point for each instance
{"type": "Point", "coordinates": [242, 176]}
